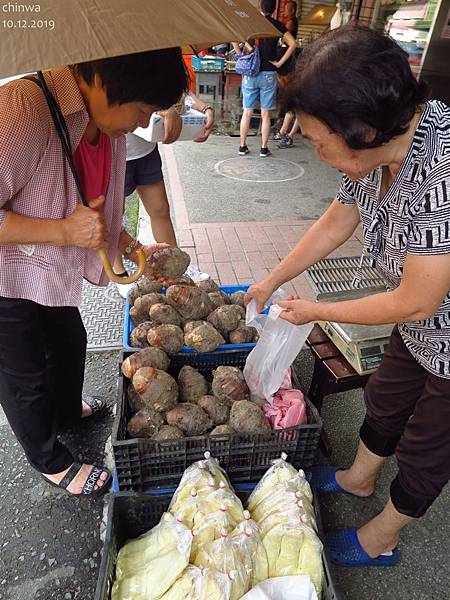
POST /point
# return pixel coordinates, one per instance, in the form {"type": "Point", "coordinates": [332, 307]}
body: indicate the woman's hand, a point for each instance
{"type": "Point", "coordinates": [208, 127]}
{"type": "Point", "coordinates": [298, 311]}
{"type": "Point", "coordinates": [172, 125]}
{"type": "Point", "coordinates": [86, 227]}
{"type": "Point", "coordinates": [260, 292]}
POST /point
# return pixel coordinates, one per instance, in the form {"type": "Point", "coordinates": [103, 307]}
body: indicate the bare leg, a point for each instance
{"type": "Point", "coordinates": [381, 534]}
{"type": "Point", "coordinates": [265, 129]}
{"type": "Point", "coordinates": [295, 129]}
{"type": "Point", "coordinates": [155, 201]}
{"type": "Point", "coordinates": [118, 266]}
{"type": "Point", "coordinates": [245, 125]}
{"type": "Point", "coordinates": [286, 123]}
{"type": "Point", "coordinates": [360, 478]}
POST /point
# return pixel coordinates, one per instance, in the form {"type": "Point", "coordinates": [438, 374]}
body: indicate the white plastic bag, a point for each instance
{"type": "Point", "coordinates": [297, 587]}
{"type": "Point", "coordinates": [278, 345]}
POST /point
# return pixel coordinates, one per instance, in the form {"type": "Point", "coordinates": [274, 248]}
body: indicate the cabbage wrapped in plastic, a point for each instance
{"type": "Point", "coordinates": [291, 515]}
{"type": "Point", "coordinates": [294, 550]}
{"type": "Point", "coordinates": [224, 496]}
{"type": "Point", "coordinates": [246, 537]}
{"type": "Point", "coordinates": [279, 472]}
{"type": "Point", "coordinates": [225, 556]}
{"type": "Point", "coordinates": [148, 566]}
{"type": "Point", "coordinates": [284, 498]}
{"type": "Point", "coordinates": [208, 526]}
{"type": "Point", "coordinates": [200, 584]}
{"type": "Point", "coordinates": [202, 475]}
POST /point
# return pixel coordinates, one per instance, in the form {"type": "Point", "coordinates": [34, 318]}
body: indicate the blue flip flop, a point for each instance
{"type": "Point", "coordinates": [345, 550]}
{"type": "Point", "coordinates": [323, 479]}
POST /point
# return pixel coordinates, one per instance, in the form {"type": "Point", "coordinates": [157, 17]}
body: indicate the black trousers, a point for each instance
{"type": "Point", "coordinates": [42, 358]}
{"type": "Point", "coordinates": [408, 414]}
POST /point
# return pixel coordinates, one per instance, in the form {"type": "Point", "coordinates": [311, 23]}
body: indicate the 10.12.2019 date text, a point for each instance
{"type": "Point", "coordinates": [48, 24]}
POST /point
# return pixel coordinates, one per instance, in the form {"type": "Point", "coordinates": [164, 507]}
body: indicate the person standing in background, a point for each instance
{"type": "Point", "coordinates": [263, 86]}
{"type": "Point", "coordinates": [144, 175]}
{"type": "Point", "coordinates": [290, 14]}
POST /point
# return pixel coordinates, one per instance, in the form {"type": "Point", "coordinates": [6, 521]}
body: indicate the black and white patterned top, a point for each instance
{"type": "Point", "coordinates": [412, 218]}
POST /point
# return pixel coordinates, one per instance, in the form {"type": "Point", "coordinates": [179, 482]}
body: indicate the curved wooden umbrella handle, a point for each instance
{"type": "Point", "coordinates": [142, 263]}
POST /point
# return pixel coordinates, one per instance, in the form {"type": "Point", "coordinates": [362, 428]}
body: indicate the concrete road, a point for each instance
{"type": "Point", "coordinates": [220, 186]}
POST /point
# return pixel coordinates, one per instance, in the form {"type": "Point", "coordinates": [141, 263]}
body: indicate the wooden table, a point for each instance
{"type": "Point", "coordinates": [332, 374]}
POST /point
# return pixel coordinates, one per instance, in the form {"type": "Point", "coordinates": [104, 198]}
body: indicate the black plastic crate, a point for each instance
{"type": "Point", "coordinates": [144, 464]}
{"type": "Point", "coordinates": [130, 515]}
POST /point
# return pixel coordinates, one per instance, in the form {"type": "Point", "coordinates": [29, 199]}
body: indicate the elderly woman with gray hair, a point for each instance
{"type": "Point", "coordinates": [365, 114]}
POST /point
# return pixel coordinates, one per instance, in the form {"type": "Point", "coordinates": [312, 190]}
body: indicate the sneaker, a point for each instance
{"type": "Point", "coordinates": [243, 150]}
{"type": "Point", "coordinates": [196, 275]}
{"type": "Point", "coordinates": [277, 136]}
{"type": "Point", "coordinates": [286, 142]}
{"type": "Point", "coordinates": [123, 288]}
{"type": "Point", "coordinates": [265, 152]}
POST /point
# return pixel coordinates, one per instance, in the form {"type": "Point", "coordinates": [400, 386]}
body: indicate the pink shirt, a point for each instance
{"type": "Point", "coordinates": [35, 181]}
{"type": "Point", "coordinates": [93, 165]}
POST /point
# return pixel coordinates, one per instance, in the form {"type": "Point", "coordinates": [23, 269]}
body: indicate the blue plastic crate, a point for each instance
{"type": "Point", "coordinates": [214, 64]}
{"type": "Point", "coordinates": [228, 289]}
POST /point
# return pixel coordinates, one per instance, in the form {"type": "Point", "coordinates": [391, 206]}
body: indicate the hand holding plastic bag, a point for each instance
{"type": "Point", "coordinates": [278, 345]}
{"type": "Point", "coordinates": [298, 587]}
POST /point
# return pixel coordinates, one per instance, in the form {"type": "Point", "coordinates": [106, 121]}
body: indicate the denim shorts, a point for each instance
{"type": "Point", "coordinates": [143, 171]}
{"type": "Point", "coordinates": [262, 87]}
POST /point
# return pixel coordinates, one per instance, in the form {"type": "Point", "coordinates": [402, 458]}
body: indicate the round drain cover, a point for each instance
{"type": "Point", "coordinates": [260, 170]}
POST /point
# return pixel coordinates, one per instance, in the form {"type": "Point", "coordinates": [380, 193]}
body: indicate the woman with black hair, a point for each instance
{"type": "Point", "coordinates": [366, 115]}
{"type": "Point", "coordinates": [48, 239]}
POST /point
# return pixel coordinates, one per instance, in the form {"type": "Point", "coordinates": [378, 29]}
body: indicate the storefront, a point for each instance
{"type": "Point", "coordinates": [422, 29]}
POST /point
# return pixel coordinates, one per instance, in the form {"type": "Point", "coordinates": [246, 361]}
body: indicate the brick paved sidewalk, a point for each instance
{"type": "Point", "coordinates": [237, 253]}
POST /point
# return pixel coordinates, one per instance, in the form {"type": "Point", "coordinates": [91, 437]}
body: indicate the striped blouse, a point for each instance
{"type": "Point", "coordinates": [35, 181]}
{"type": "Point", "coordinates": [412, 218]}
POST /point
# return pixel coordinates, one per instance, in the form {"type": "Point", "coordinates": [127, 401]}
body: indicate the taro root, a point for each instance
{"type": "Point", "coordinates": [204, 338]}
{"type": "Point", "coordinates": [191, 384]}
{"type": "Point", "coordinates": [135, 402]}
{"type": "Point", "coordinates": [166, 337]}
{"type": "Point", "coordinates": [221, 429]}
{"type": "Point", "coordinates": [243, 334]}
{"type": "Point", "coordinates": [225, 318]}
{"type": "Point", "coordinates": [145, 423]}
{"type": "Point", "coordinates": [190, 418]}
{"type": "Point", "coordinates": [218, 299]}
{"type": "Point", "coordinates": [241, 311]}
{"type": "Point", "coordinates": [157, 388]}
{"type": "Point", "coordinates": [229, 385]}
{"type": "Point", "coordinates": [237, 298]}
{"type": "Point", "coordinates": [142, 287]}
{"type": "Point", "coordinates": [218, 411]}
{"type": "Point", "coordinates": [149, 357]}
{"type": "Point", "coordinates": [191, 325]}
{"type": "Point", "coordinates": [246, 417]}
{"type": "Point", "coordinates": [183, 280]}
{"type": "Point", "coordinates": [209, 285]}
{"type": "Point", "coordinates": [168, 263]}
{"type": "Point", "coordinates": [138, 337]}
{"type": "Point", "coordinates": [191, 302]}
{"type": "Point", "coordinates": [167, 433]}
{"type": "Point", "coordinates": [163, 314]}
{"type": "Point", "coordinates": [139, 312]}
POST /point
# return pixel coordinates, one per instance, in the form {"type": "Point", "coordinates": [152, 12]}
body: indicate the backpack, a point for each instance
{"type": "Point", "coordinates": [248, 63]}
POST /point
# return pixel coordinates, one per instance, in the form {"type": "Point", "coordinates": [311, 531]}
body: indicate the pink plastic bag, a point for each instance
{"type": "Point", "coordinates": [289, 406]}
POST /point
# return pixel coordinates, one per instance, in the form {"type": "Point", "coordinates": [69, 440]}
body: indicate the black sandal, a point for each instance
{"type": "Point", "coordinates": [96, 404]}
{"type": "Point", "coordinates": [88, 487]}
